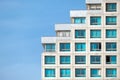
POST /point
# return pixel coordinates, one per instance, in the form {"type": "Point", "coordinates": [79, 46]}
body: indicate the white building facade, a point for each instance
{"type": "Point", "coordinates": [86, 49]}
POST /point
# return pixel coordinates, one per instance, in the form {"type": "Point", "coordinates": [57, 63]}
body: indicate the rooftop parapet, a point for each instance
{"type": "Point", "coordinates": [93, 1]}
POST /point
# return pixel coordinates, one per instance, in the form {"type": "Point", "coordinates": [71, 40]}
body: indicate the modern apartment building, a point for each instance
{"type": "Point", "coordinates": [86, 49]}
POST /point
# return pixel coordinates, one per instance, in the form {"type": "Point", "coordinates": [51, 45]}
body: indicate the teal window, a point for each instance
{"type": "Point", "coordinates": [110, 59]}
{"type": "Point", "coordinates": [111, 33]}
{"type": "Point", "coordinates": [95, 59]}
{"type": "Point", "coordinates": [49, 47]}
{"type": "Point", "coordinates": [111, 7]}
{"type": "Point", "coordinates": [49, 72]}
{"type": "Point", "coordinates": [80, 72]}
{"type": "Point", "coordinates": [80, 47]}
{"type": "Point", "coordinates": [111, 20]}
{"type": "Point", "coordinates": [95, 33]}
{"type": "Point", "coordinates": [95, 47]}
{"type": "Point", "coordinates": [65, 47]}
{"type": "Point", "coordinates": [80, 33]}
{"type": "Point", "coordinates": [65, 73]}
{"type": "Point", "coordinates": [111, 72]}
{"type": "Point", "coordinates": [79, 20]}
{"type": "Point", "coordinates": [95, 20]}
{"type": "Point", "coordinates": [95, 72]}
{"type": "Point", "coordinates": [111, 46]}
{"type": "Point", "coordinates": [80, 59]}
{"type": "Point", "coordinates": [49, 59]}
{"type": "Point", "coordinates": [64, 59]}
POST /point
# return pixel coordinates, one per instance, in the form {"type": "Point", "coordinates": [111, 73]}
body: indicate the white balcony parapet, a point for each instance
{"type": "Point", "coordinates": [83, 13]}
{"type": "Point", "coordinates": [93, 1]}
{"type": "Point", "coordinates": [78, 13]}
{"type": "Point", "coordinates": [63, 38]}
{"type": "Point", "coordinates": [54, 39]}
{"type": "Point", "coordinates": [62, 27]}
{"type": "Point", "coordinates": [67, 26]}
{"type": "Point", "coordinates": [94, 12]}
{"type": "Point", "coordinates": [48, 40]}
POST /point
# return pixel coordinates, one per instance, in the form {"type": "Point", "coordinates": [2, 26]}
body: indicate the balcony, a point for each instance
{"type": "Point", "coordinates": [54, 39]}
{"type": "Point", "coordinates": [64, 27]}
{"type": "Point", "coordinates": [48, 40]}
{"type": "Point", "coordinates": [83, 13]}
{"type": "Point", "coordinates": [94, 12]}
{"type": "Point", "coordinates": [78, 13]}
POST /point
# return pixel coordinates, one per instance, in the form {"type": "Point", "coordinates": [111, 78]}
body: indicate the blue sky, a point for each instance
{"type": "Point", "coordinates": [22, 24]}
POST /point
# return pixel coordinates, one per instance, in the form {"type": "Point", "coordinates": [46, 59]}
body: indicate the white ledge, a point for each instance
{"type": "Point", "coordinates": [83, 13]}
{"type": "Point", "coordinates": [48, 40]}
{"type": "Point", "coordinates": [93, 1]}
{"type": "Point", "coordinates": [67, 26]}
{"type": "Point", "coordinates": [78, 13]}
{"type": "Point", "coordinates": [54, 39]}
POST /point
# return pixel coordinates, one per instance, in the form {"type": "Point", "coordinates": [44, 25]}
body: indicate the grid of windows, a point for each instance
{"type": "Point", "coordinates": [95, 20]}
{"type": "Point", "coordinates": [79, 20]}
{"type": "Point", "coordinates": [80, 72]}
{"type": "Point", "coordinates": [81, 46]}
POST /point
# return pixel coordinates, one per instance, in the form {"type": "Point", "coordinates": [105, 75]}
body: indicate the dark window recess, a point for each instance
{"type": "Point", "coordinates": [107, 58]}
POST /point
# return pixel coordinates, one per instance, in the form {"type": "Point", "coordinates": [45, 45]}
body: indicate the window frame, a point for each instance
{"type": "Point", "coordinates": [82, 59]}
{"type": "Point", "coordinates": [111, 59]}
{"type": "Point", "coordinates": [95, 59]}
{"type": "Point", "coordinates": [82, 47]}
{"type": "Point", "coordinates": [80, 20]}
{"type": "Point", "coordinates": [111, 20]}
{"type": "Point", "coordinates": [98, 74]}
{"type": "Point", "coordinates": [94, 20]}
{"type": "Point", "coordinates": [98, 46]}
{"type": "Point", "coordinates": [66, 70]}
{"type": "Point", "coordinates": [50, 59]}
{"type": "Point", "coordinates": [110, 70]}
{"type": "Point", "coordinates": [67, 59]}
{"type": "Point", "coordinates": [50, 73]}
{"type": "Point", "coordinates": [51, 46]}
{"type": "Point", "coordinates": [82, 72]}
{"type": "Point", "coordinates": [63, 47]}
{"type": "Point", "coordinates": [109, 46]}
{"type": "Point", "coordinates": [111, 33]}
{"type": "Point", "coordinates": [96, 32]}
{"type": "Point", "coordinates": [110, 7]}
{"type": "Point", "coordinates": [80, 33]}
